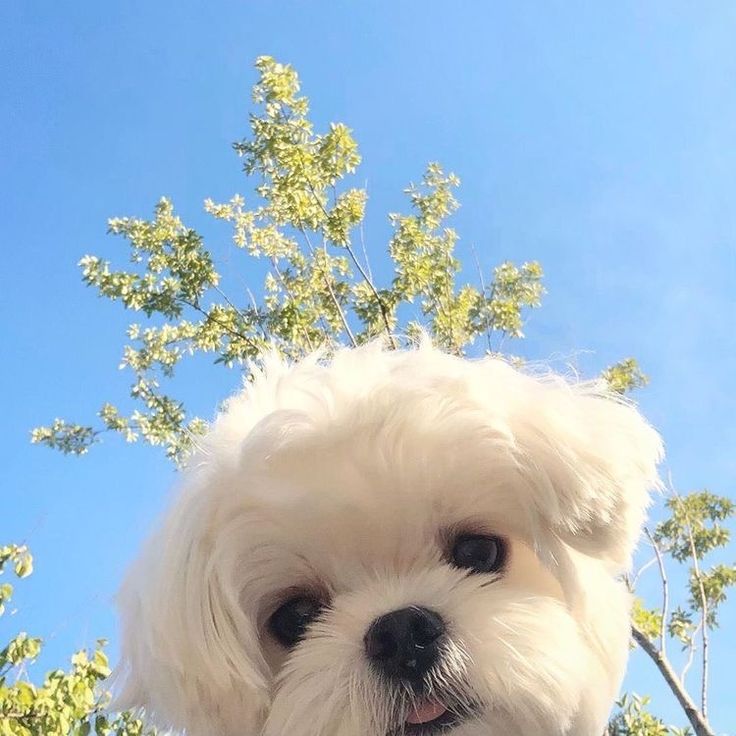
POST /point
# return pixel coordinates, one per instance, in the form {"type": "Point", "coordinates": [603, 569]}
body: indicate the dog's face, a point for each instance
{"type": "Point", "coordinates": [394, 543]}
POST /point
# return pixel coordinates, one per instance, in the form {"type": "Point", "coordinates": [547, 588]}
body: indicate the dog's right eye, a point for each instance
{"type": "Point", "coordinates": [289, 622]}
{"type": "Point", "coordinates": [481, 553]}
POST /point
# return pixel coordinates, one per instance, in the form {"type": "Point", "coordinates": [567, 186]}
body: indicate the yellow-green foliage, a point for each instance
{"type": "Point", "coordinates": [304, 224]}
{"type": "Point", "coordinates": [66, 703]}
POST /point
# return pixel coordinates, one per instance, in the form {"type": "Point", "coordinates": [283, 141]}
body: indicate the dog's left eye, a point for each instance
{"type": "Point", "coordinates": [290, 621]}
{"type": "Point", "coordinates": [479, 552]}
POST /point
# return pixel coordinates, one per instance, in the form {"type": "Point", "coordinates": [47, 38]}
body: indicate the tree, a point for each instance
{"type": "Point", "coordinates": [304, 226]}
{"type": "Point", "coordinates": [66, 702]}
{"type": "Point", "coordinates": [692, 529]}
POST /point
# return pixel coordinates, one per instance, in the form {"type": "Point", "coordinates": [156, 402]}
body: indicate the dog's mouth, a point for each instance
{"type": "Point", "coordinates": [429, 716]}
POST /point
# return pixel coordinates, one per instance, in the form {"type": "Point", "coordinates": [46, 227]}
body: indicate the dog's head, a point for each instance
{"type": "Point", "coordinates": [394, 543]}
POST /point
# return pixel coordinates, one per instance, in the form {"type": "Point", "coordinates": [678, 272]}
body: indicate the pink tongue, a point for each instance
{"type": "Point", "coordinates": [425, 712]}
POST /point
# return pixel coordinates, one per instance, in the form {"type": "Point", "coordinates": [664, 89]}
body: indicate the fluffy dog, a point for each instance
{"type": "Point", "coordinates": [390, 543]}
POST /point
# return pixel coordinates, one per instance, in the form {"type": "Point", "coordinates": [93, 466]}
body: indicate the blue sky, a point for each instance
{"type": "Point", "coordinates": [598, 138]}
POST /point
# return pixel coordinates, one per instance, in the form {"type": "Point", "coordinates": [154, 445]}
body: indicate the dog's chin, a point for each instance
{"type": "Point", "coordinates": [438, 702]}
{"type": "Point", "coordinates": [429, 716]}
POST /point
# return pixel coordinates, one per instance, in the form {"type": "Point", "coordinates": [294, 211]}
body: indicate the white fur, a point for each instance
{"type": "Point", "coordinates": [344, 477]}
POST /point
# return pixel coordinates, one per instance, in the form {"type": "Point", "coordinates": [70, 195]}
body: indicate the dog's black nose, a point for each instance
{"type": "Point", "coordinates": [404, 644]}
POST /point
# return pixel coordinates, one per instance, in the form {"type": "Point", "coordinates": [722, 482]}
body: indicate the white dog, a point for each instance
{"type": "Point", "coordinates": [394, 543]}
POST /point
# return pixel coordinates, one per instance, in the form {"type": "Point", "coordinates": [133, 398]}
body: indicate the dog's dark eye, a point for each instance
{"type": "Point", "coordinates": [479, 552]}
{"type": "Point", "coordinates": [290, 621]}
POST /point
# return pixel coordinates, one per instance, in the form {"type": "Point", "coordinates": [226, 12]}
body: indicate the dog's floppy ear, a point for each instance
{"type": "Point", "coordinates": [190, 657]}
{"type": "Point", "coordinates": [591, 459]}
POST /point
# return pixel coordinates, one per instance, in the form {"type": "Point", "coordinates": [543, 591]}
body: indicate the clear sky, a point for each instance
{"type": "Point", "coordinates": [598, 138]}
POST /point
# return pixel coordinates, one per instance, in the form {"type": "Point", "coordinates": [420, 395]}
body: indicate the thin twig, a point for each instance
{"type": "Point", "coordinates": [691, 652]}
{"type": "Point", "coordinates": [323, 324]}
{"type": "Point", "coordinates": [483, 291]}
{"type": "Point", "coordinates": [161, 405]}
{"type": "Point", "coordinates": [703, 604]}
{"type": "Point", "coordinates": [376, 295]}
{"type": "Point", "coordinates": [491, 299]}
{"type": "Point", "coordinates": [633, 583]}
{"type": "Point", "coordinates": [446, 309]}
{"type": "Point", "coordinates": [452, 281]}
{"type": "Point", "coordinates": [331, 291]}
{"type": "Point", "coordinates": [257, 312]}
{"type": "Point", "coordinates": [21, 670]}
{"type": "Point", "coordinates": [210, 318]}
{"type": "Point", "coordinates": [368, 280]}
{"type": "Point", "coordinates": [361, 230]}
{"type": "Point", "coordinates": [704, 620]}
{"type": "Point", "coordinates": [665, 592]}
{"type": "Point", "coordinates": [697, 719]}
{"type": "Point", "coordinates": [275, 264]}
{"type": "Point", "coordinates": [338, 306]}
{"type": "Point", "coordinates": [227, 300]}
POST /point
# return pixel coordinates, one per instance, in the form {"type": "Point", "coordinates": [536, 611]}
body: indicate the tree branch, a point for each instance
{"type": "Point", "coordinates": [691, 653]}
{"type": "Point", "coordinates": [704, 619]}
{"type": "Point", "coordinates": [331, 291]}
{"type": "Point", "coordinates": [366, 277]}
{"type": "Point", "coordinates": [634, 582]}
{"type": "Point", "coordinates": [483, 292]}
{"type": "Point", "coordinates": [362, 241]}
{"type": "Point", "coordinates": [374, 291]}
{"type": "Point", "coordinates": [665, 592]}
{"type": "Point", "coordinates": [703, 605]}
{"type": "Point", "coordinates": [697, 719]}
{"type": "Point", "coordinates": [285, 287]}
{"type": "Point", "coordinates": [211, 318]}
